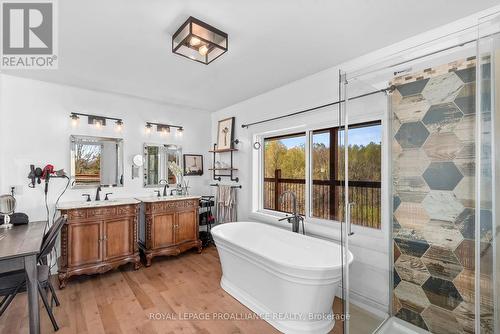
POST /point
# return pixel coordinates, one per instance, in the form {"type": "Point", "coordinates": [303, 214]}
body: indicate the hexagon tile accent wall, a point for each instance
{"type": "Point", "coordinates": [412, 135]}
{"type": "Point", "coordinates": [442, 117]}
{"type": "Point", "coordinates": [442, 293]}
{"type": "Point", "coordinates": [433, 172]}
{"type": "Point", "coordinates": [442, 175]}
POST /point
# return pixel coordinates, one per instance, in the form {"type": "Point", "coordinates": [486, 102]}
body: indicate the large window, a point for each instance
{"type": "Point", "coordinates": [284, 164]}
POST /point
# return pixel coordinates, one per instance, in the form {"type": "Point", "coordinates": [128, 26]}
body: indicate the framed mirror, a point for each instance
{"type": "Point", "coordinates": [156, 159]}
{"type": "Point", "coordinates": [96, 161]}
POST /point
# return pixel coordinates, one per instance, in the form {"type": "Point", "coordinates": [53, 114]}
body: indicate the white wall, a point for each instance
{"type": "Point", "coordinates": [370, 271]}
{"type": "Point", "coordinates": [35, 128]}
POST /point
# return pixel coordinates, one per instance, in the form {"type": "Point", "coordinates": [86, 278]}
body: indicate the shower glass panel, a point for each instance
{"type": "Point", "coordinates": [343, 177]}
{"type": "Point", "coordinates": [361, 279]}
{"type": "Point", "coordinates": [487, 177]}
{"type": "Point", "coordinates": [440, 223]}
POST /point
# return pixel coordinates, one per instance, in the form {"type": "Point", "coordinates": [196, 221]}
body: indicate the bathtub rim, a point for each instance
{"type": "Point", "coordinates": [335, 267]}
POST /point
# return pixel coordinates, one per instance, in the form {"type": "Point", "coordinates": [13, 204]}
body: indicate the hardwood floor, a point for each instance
{"type": "Point", "coordinates": [124, 300]}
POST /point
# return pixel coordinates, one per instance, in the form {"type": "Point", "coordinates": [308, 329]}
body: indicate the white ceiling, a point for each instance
{"type": "Point", "coordinates": [124, 46]}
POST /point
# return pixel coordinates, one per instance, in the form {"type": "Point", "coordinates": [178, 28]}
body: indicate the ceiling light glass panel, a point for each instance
{"type": "Point", "coordinates": [199, 41]}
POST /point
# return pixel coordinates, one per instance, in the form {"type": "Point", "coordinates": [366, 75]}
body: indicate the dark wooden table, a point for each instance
{"type": "Point", "coordinates": [19, 247]}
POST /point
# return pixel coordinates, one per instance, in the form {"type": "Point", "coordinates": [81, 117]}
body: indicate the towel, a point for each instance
{"type": "Point", "coordinates": [226, 204]}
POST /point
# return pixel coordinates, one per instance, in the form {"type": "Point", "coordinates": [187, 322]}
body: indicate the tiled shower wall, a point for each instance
{"type": "Point", "coordinates": [433, 188]}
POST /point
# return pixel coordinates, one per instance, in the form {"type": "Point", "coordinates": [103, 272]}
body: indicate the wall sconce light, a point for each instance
{"type": "Point", "coordinates": [179, 132]}
{"type": "Point", "coordinates": [74, 120]}
{"type": "Point", "coordinates": [199, 41]}
{"type": "Point", "coordinates": [119, 125]}
{"type": "Point", "coordinates": [97, 121]}
{"type": "Point", "coordinates": [164, 129]}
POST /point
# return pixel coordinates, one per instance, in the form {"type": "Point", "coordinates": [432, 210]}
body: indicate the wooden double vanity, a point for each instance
{"type": "Point", "coordinates": [100, 236]}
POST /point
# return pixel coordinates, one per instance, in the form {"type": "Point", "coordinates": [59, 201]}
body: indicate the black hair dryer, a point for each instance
{"type": "Point", "coordinates": [35, 175]}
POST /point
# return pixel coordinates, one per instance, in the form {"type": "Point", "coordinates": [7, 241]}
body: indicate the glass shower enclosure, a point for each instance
{"type": "Point", "coordinates": [441, 137]}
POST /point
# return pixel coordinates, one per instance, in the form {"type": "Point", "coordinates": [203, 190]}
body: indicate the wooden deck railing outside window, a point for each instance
{"type": "Point", "coordinates": [327, 198]}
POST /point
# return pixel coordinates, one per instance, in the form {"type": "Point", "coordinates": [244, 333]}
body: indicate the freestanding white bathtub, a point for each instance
{"type": "Point", "coordinates": [286, 278]}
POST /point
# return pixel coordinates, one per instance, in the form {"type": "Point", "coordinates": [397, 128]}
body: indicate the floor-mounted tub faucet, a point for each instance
{"type": "Point", "coordinates": [295, 219]}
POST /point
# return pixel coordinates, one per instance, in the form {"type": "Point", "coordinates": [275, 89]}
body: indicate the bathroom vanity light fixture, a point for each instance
{"type": "Point", "coordinates": [199, 41]}
{"type": "Point", "coordinates": [97, 121]}
{"type": "Point", "coordinates": [164, 129]}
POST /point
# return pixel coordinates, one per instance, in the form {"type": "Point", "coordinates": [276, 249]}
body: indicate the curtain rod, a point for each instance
{"type": "Point", "coordinates": [390, 89]}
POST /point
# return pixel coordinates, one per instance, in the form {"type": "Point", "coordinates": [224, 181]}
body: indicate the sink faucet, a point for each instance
{"type": "Point", "coordinates": [165, 186]}
{"type": "Point", "coordinates": [98, 194]}
{"type": "Point", "coordinates": [295, 219]}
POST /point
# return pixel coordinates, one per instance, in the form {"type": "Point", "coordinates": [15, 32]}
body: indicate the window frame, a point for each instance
{"type": "Point", "coordinates": [334, 165]}
{"type": "Point", "coordinates": [326, 225]}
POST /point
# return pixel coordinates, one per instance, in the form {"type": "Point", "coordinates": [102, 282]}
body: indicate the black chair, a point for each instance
{"type": "Point", "coordinates": [11, 283]}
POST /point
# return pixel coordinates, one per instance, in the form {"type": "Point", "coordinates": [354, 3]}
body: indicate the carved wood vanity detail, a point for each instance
{"type": "Point", "coordinates": [98, 239]}
{"type": "Point", "coordinates": [170, 227]}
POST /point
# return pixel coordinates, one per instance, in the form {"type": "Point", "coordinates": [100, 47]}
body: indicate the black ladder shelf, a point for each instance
{"type": "Point", "coordinates": [231, 169]}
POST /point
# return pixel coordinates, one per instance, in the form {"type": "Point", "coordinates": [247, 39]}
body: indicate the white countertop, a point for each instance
{"type": "Point", "coordinates": [96, 204]}
{"type": "Point", "coordinates": [154, 199]}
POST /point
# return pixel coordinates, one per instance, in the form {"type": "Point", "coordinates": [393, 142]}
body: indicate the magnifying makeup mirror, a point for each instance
{"type": "Point", "coordinates": [137, 162]}
{"type": "Point", "coordinates": [7, 207]}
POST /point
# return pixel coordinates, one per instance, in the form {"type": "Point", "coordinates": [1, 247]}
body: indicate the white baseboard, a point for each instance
{"type": "Point", "coordinates": [374, 307]}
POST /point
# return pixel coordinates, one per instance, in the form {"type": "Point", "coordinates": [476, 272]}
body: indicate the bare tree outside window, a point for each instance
{"type": "Point", "coordinates": [88, 163]}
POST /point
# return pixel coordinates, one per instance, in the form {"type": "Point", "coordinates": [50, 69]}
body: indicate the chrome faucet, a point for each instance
{"type": "Point", "coordinates": [295, 219]}
{"type": "Point", "coordinates": [165, 186]}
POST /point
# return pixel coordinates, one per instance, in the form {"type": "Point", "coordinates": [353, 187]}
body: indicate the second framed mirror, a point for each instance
{"type": "Point", "coordinates": [157, 159]}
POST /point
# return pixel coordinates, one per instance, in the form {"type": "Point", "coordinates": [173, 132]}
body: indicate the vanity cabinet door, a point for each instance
{"type": "Point", "coordinates": [86, 243]}
{"type": "Point", "coordinates": [186, 226]}
{"type": "Point", "coordinates": [163, 230]}
{"type": "Point", "coordinates": [118, 237]}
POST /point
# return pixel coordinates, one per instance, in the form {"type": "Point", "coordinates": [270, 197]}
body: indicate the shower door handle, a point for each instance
{"type": "Point", "coordinates": [348, 220]}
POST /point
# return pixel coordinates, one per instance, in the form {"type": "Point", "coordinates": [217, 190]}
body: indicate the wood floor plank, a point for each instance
{"type": "Point", "coordinates": [142, 298]}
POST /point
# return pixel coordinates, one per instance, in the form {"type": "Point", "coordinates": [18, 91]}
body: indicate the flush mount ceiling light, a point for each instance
{"type": "Point", "coordinates": [199, 41]}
